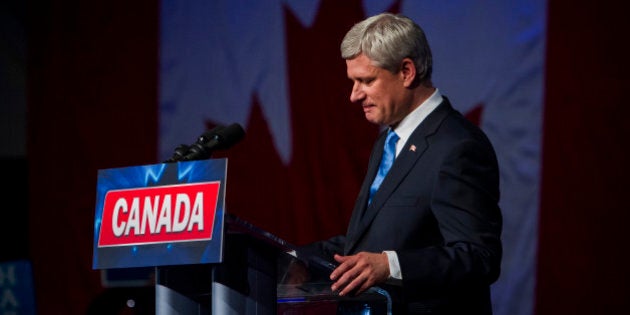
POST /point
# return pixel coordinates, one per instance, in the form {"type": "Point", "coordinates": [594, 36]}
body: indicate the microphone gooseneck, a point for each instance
{"type": "Point", "coordinates": [179, 153]}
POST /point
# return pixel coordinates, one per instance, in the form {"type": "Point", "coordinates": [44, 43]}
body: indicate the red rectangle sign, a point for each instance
{"type": "Point", "coordinates": [149, 215]}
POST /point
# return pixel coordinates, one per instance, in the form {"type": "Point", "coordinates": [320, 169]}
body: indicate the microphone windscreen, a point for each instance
{"type": "Point", "coordinates": [230, 135]}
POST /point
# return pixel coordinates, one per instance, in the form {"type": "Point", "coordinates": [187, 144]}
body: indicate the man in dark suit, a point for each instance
{"type": "Point", "coordinates": [428, 230]}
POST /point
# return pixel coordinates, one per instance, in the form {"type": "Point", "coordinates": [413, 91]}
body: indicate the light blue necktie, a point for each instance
{"type": "Point", "coordinates": [389, 154]}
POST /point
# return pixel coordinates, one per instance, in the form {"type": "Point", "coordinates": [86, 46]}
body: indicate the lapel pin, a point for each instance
{"type": "Point", "coordinates": [412, 148]}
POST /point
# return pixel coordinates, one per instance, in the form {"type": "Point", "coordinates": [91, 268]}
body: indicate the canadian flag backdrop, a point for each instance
{"type": "Point", "coordinates": [120, 84]}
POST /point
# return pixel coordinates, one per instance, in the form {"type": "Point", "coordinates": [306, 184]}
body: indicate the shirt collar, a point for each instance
{"type": "Point", "coordinates": [405, 128]}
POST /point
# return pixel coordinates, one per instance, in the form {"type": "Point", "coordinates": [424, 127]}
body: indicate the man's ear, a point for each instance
{"type": "Point", "coordinates": [407, 72]}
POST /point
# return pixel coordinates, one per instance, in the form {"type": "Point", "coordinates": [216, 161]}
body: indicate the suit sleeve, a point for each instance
{"type": "Point", "coordinates": [325, 249]}
{"type": "Point", "coordinates": [464, 202]}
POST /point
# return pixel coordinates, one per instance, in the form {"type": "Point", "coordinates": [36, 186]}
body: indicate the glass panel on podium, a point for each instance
{"type": "Point", "coordinates": [304, 288]}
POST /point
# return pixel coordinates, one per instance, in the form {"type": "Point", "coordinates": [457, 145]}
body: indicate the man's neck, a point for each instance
{"type": "Point", "coordinates": [422, 93]}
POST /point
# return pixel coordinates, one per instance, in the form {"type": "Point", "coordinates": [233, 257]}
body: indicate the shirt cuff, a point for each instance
{"type": "Point", "coordinates": [394, 265]}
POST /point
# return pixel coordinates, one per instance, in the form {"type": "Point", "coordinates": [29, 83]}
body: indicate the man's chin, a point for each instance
{"type": "Point", "coordinates": [372, 118]}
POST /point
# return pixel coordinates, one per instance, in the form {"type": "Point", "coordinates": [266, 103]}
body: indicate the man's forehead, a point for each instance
{"type": "Point", "coordinates": [361, 66]}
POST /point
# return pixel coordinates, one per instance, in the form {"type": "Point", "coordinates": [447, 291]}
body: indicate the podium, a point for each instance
{"type": "Point", "coordinates": [244, 282]}
{"type": "Point", "coordinates": [171, 217]}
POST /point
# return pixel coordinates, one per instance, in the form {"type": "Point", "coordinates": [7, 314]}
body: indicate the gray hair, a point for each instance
{"type": "Point", "coordinates": [387, 39]}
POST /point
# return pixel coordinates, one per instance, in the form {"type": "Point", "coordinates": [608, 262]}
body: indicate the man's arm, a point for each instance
{"type": "Point", "coordinates": [465, 205]}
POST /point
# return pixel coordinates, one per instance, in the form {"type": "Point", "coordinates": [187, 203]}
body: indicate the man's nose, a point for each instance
{"type": "Point", "coordinates": [357, 93]}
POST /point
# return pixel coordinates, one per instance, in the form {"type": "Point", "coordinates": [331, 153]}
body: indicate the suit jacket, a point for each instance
{"type": "Point", "coordinates": [438, 209]}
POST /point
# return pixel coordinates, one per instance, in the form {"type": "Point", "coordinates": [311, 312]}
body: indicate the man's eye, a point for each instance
{"type": "Point", "coordinates": [364, 81]}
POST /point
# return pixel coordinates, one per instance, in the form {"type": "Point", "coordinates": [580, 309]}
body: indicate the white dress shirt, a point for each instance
{"type": "Point", "coordinates": [404, 129]}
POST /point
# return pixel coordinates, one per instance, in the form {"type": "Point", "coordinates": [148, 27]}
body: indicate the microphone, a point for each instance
{"type": "Point", "coordinates": [218, 138]}
{"type": "Point", "coordinates": [182, 150]}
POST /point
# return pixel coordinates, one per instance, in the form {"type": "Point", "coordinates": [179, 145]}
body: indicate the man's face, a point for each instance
{"type": "Point", "coordinates": [381, 93]}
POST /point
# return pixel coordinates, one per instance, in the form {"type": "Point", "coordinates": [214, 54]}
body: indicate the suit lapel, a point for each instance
{"type": "Point", "coordinates": [362, 199]}
{"type": "Point", "coordinates": [416, 145]}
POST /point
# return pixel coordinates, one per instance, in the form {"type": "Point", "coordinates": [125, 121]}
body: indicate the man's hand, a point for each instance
{"type": "Point", "coordinates": [356, 273]}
